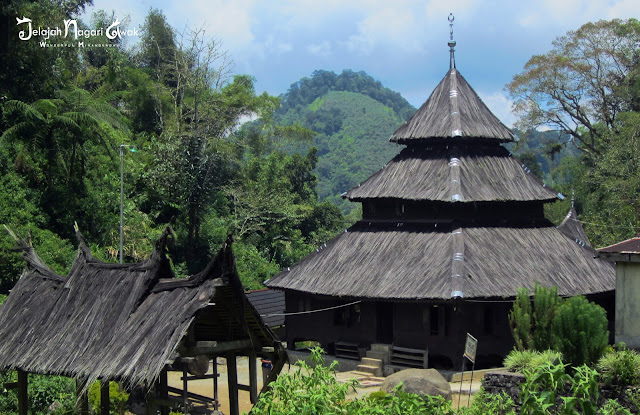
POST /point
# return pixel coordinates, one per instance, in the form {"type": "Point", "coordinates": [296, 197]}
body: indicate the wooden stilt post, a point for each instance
{"type": "Point", "coordinates": [232, 380]}
{"type": "Point", "coordinates": [23, 396]}
{"type": "Point", "coordinates": [105, 400]}
{"type": "Point", "coordinates": [150, 401]}
{"type": "Point", "coordinates": [216, 404]}
{"type": "Point", "coordinates": [163, 391]}
{"type": "Point", "coordinates": [82, 404]}
{"type": "Point", "coordinates": [253, 378]}
{"type": "Point", "coordinates": [185, 391]}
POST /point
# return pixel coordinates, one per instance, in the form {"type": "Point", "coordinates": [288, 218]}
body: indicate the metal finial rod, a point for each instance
{"type": "Point", "coordinates": [573, 198]}
{"type": "Point", "coordinates": [451, 18]}
{"type": "Point", "coordinates": [452, 43]}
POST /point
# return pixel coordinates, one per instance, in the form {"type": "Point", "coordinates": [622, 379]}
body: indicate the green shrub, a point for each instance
{"type": "Point", "coordinates": [117, 397]}
{"type": "Point", "coordinates": [612, 407]}
{"type": "Point", "coordinates": [550, 390]}
{"type": "Point", "coordinates": [579, 331]}
{"type": "Point", "coordinates": [520, 320]}
{"type": "Point", "coordinates": [42, 391]}
{"type": "Point", "coordinates": [531, 325]}
{"type": "Point", "coordinates": [518, 361]}
{"type": "Point", "coordinates": [545, 303]}
{"type": "Point", "coordinates": [489, 403]}
{"type": "Point", "coordinates": [311, 391]}
{"type": "Point", "coordinates": [620, 367]}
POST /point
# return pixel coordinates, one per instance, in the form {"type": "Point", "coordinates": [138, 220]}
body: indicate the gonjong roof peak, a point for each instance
{"type": "Point", "coordinates": [453, 111]}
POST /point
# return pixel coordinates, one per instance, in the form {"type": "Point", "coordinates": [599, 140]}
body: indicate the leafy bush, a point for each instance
{"type": "Point", "coordinates": [545, 303]}
{"type": "Point", "coordinates": [579, 331]}
{"type": "Point", "coordinates": [518, 361]}
{"type": "Point", "coordinates": [549, 390]}
{"type": "Point", "coordinates": [489, 403]}
{"type": "Point", "coordinates": [531, 326]}
{"type": "Point", "coordinates": [520, 320]}
{"type": "Point", "coordinates": [316, 391]}
{"type": "Point", "coordinates": [117, 397]}
{"type": "Point", "coordinates": [43, 391]}
{"type": "Point", "coordinates": [307, 391]}
{"type": "Point", "coordinates": [620, 367]}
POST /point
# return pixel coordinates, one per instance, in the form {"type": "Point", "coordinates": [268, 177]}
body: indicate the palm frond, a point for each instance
{"type": "Point", "coordinates": [47, 107]}
{"type": "Point", "coordinates": [23, 108]}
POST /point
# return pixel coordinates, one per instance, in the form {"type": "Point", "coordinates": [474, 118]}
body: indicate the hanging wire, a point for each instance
{"type": "Point", "coordinates": [310, 311]}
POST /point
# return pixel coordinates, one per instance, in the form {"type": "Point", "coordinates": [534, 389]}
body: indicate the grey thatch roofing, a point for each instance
{"type": "Point", "coordinates": [572, 227]}
{"type": "Point", "coordinates": [453, 110]}
{"type": "Point", "coordinates": [486, 173]}
{"type": "Point", "coordinates": [417, 262]}
{"type": "Point", "coordinates": [120, 321]}
{"type": "Point", "coordinates": [270, 304]}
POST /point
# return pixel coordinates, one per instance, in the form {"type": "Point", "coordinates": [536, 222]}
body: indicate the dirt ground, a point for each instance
{"type": "Point", "coordinates": [205, 386]}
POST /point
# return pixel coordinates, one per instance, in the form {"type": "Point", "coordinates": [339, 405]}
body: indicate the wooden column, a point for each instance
{"type": "Point", "coordinates": [149, 405]}
{"type": "Point", "coordinates": [82, 404]}
{"type": "Point", "coordinates": [253, 378]}
{"type": "Point", "coordinates": [216, 404]}
{"type": "Point", "coordinates": [23, 396]}
{"type": "Point", "coordinates": [163, 391]}
{"type": "Point", "coordinates": [105, 400]}
{"type": "Point", "coordinates": [232, 380]}
{"type": "Point", "coordinates": [185, 390]}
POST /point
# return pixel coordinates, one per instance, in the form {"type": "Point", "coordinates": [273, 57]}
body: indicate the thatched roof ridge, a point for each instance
{"type": "Point", "coordinates": [572, 227]}
{"type": "Point", "coordinates": [414, 262]}
{"type": "Point", "coordinates": [453, 110]}
{"type": "Point", "coordinates": [487, 173]}
{"type": "Point", "coordinates": [116, 321]}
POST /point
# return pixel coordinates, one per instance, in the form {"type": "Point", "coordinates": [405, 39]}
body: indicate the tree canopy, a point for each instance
{"type": "Point", "coordinates": [587, 87]}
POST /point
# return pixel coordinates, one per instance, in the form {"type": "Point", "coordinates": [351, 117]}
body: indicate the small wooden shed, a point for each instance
{"type": "Point", "coordinates": [626, 255]}
{"type": "Point", "coordinates": [132, 323]}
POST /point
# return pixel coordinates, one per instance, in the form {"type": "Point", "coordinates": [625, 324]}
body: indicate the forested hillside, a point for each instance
{"type": "Point", "coordinates": [353, 116]}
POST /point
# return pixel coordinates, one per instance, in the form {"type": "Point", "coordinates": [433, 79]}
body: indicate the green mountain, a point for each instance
{"type": "Point", "coordinates": [354, 116]}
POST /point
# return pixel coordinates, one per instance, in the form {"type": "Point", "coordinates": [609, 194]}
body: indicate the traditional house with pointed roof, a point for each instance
{"type": "Point", "coordinates": [451, 228]}
{"type": "Point", "coordinates": [132, 323]}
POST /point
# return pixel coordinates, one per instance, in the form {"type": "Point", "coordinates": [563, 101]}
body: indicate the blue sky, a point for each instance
{"type": "Point", "coordinates": [401, 43]}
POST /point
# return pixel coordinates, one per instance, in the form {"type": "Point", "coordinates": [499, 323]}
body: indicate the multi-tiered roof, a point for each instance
{"type": "Point", "coordinates": [453, 215]}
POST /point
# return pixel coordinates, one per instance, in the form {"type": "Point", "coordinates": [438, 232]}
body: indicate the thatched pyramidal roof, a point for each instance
{"type": "Point", "coordinates": [453, 215]}
{"type": "Point", "coordinates": [453, 110]}
{"type": "Point", "coordinates": [121, 321]}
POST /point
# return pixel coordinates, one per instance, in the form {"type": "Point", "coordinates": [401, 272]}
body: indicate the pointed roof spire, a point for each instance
{"type": "Point", "coordinates": [452, 43]}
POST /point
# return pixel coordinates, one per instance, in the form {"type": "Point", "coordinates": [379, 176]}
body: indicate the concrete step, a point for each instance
{"type": "Point", "coordinates": [369, 382]}
{"type": "Point", "coordinates": [380, 347]}
{"type": "Point", "coordinates": [373, 370]}
{"type": "Point", "coordinates": [376, 354]}
{"type": "Point", "coordinates": [369, 361]}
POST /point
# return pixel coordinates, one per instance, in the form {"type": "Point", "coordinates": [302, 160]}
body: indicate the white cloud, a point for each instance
{"type": "Point", "coordinates": [395, 26]}
{"type": "Point", "coordinates": [500, 106]}
{"type": "Point", "coordinates": [570, 14]}
{"type": "Point", "coordinates": [230, 21]}
{"type": "Point", "coordinates": [438, 9]}
{"type": "Point", "coordinates": [320, 49]}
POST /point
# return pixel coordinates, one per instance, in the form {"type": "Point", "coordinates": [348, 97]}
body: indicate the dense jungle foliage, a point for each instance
{"type": "Point", "coordinates": [172, 107]}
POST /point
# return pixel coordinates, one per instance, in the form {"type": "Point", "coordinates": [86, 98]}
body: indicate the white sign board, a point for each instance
{"type": "Point", "coordinates": [470, 348]}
